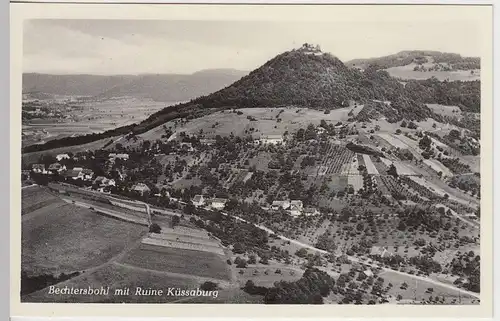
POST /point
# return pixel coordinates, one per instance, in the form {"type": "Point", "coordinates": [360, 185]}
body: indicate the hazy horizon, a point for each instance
{"type": "Point", "coordinates": [140, 47]}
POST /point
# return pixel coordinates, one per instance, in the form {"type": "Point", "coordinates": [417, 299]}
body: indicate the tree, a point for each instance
{"type": "Point", "coordinates": [154, 228]}
{"type": "Point", "coordinates": [175, 221]}
{"type": "Point", "coordinates": [398, 131]}
{"type": "Point", "coordinates": [392, 170]}
{"type": "Point", "coordinates": [209, 286]}
{"type": "Point", "coordinates": [238, 248]}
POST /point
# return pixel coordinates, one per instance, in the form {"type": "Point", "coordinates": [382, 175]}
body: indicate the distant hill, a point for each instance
{"type": "Point", "coordinates": [160, 87]}
{"type": "Point", "coordinates": [175, 87]}
{"type": "Point", "coordinates": [307, 77]}
{"type": "Point", "coordinates": [419, 57]}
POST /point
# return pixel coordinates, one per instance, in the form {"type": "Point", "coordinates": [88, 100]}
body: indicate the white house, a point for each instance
{"type": "Point", "coordinates": [295, 210]}
{"type": "Point", "coordinates": [297, 203]}
{"type": "Point", "coordinates": [57, 167]}
{"type": "Point", "coordinates": [122, 156]}
{"type": "Point", "coordinates": [38, 168]}
{"type": "Point", "coordinates": [368, 273]}
{"type": "Point", "coordinates": [198, 200]}
{"type": "Point", "coordinates": [141, 188]}
{"type": "Point", "coordinates": [61, 157]}
{"type": "Point", "coordinates": [271, 139]}
{"type": "Point", "coordinates": [218, 203]}
{"type": "Point", "coordinates": [276, 205]}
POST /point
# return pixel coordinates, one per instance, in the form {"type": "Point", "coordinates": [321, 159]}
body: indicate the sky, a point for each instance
{"type": "Point", "coordinates": [108, 47]}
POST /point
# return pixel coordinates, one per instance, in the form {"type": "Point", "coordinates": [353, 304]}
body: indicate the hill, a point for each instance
{"type": "Point", "coordinates": [421, 65]}
{"type": "Point", "coordinates": [304, 77]}
{"type": "Point", "coordinates": [174, 87]}
{"type": "Point", "coordinates": [451, 60]}
{"type": "Point", "coordinates": [159, 87]}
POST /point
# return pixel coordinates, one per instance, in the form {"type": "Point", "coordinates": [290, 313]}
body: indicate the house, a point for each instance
{"type": "Point", "coordinates": [122, 156]}
{"type": "Point", "coordinates": [276, 205]}
{"type": "Point", "coordinates": [100, 180]}
{"type": "Point", "coordinates": [78, 169]}
{"type": "Point", "coordinates": [271, 139]}
{"type": "Point", "coordinates": [198, 200]}
{"type": "Point", "coordinates": [311, 211]}
{"type": "Point", "coordinates": [297, 203]}
{"type": "Point", "coordinates": [38, 168]}
{"type": "Point", "coordinates": [320, 130]}
{"type": "Point", "coordinates": [295, 210]}
{"type": "Point", "coordinates": [206, 141]}
{"type": "Point", "coordinates": [187, 146]}
{"type": "Point", "coordinates": [61, 157]}
{"type": "Point", "coordinates": [141, 188]}
{"type": "Point", "coordinates": [218, 203]}
{"type": "Point", "coordinates": [87, 174]}
{"type": "Point", "coordinates": [57, 167]}
{"type": "Point", "coordinates": [368, 273]}
{"type": "Point", "coordinates": [380, 251]}
{"type": "Point", "coordinates": [73, 174]}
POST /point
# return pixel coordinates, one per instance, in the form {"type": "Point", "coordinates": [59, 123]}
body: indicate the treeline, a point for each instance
{"type": "Point", "coordinates": [464, 94]}
{"type": "Point", "coordinates": [311, 288]}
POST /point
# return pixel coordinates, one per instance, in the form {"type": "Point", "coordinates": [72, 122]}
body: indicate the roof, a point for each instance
{"type": "Point", "coordinates": [280, 202]}
{"type": "Point", "coordinates": [310, 210]}
{"type": "Point", "coordinates": [140, 187]}
{"type": "Point", "coordinates": [272, 137]}
{"type": "Point", "coordinates": [197, 198]}
{"type": "Point", "coordinates": [38, 166]}
{"type": "Point", "coordinates": [62, 155]}
{"type": "Point", "coordinates": [219, 200]}
{"type": "Point", "coordinates": [72, 173]}
{"type": "Point", "coordinates": [99, 178]}
{"type": "Point", "coordinates": [87, 171]}
{"type": "Point", "coordinates": [296, 202]}
{"type": "Point", "coordinates": [55, 166]}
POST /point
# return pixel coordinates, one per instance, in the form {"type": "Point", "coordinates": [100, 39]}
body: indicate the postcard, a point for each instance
{"type": "Point", "coordinates": [251, 160]}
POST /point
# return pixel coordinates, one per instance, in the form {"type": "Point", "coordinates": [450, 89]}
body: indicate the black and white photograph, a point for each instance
{"type": "Point", "coordinates": [334, 162]}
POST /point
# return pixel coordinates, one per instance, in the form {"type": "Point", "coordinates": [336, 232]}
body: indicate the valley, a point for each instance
{"type": "Point", "coordinates": [306, 181]}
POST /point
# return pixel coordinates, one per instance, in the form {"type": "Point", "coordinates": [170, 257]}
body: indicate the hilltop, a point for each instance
{"type": "Point", "coordinates": [403, 58]}
{"type": "Point", "coordinates": [158, 87]}
{"type": "Point", "coordinates": [424, 64]}
{"type": "Point", "coordinates": [309, 78]}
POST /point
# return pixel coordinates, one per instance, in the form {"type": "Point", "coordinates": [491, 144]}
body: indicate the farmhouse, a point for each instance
{"type": "Point", "coordinates": [141, 188]}
{"type": "Point", "coordinates": [86, 174]}
{"type": "Point", "coordinates": [271, 139]}
{"type": "Point", "coordinates": [73, 174]}
{"type": "Point", "coordinates": [198, 200]}
{"type": "Point", "coordinates": [206, 141]}
{"type": "Point", "coordinates": [187, 146]}
{"type": "Point", "coordinates": [368, 273]}
{"type": "Point", "coordinates": [297, 203]}
{"type": "Point", "coordinates": [381, 251]}
{"type": "Point", "coordinates": [38, 168]}
{"type": "Point", "coordinates": [56, 167]}
{"type": "Point", "coordinates": [61, 157]}
{"type": "Point", "coordinates": [218, 203]}
{"type": "Point", "coordinates": [276, 205]}
{"type": "Point", "coordinates": [122, 156]}
{"type": "Point", "coordinates": [104, 181]}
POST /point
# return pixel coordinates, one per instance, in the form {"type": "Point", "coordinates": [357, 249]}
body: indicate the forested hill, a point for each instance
{"type": "Point", "coordinates": [303, 77]}
{"type": "Point", "coordinates": [451, 60]}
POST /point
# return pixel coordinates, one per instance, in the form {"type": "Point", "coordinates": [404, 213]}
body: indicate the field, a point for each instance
{"type": "Point", "coordinates": [438, 167]}
{"type": "Point", "coordinates": [181, 261]}
{"type": "Point", "coordinates": [117, 276]}
{"type": "Point", "coordinates": [91, 117]}
{"type": "Point", "coordinates": [226, 122]}
{"type": "Point", "coordinates": [35, 197]}
{"type": "Point", "coordinates": [417, 290]}
{"type": "Point", "coordinates": [445, 110]}
{"type": "Point", "coordinates": [406, 72]}
{"type": "Point", "coordinates": [70, 238]}
{"type": "Point", "coordinates": [370, 168]}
